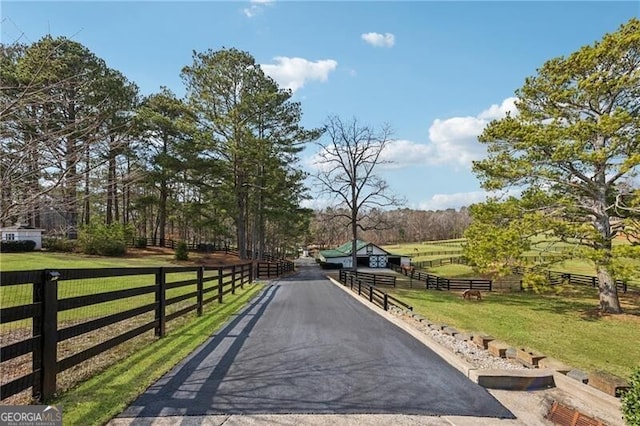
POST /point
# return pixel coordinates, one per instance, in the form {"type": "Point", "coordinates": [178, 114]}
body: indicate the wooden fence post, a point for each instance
{"type": "Point", "coordinates": [233, 279]}
{"type": "Point", "coordinates": [161, 303]}
{"type": "Point", "coordinates": [370, 293]}
{"type": "Point", "coordinates": [251, 273]}
{"type": "Point", "coordinates": [45, 355]}
{"type": "Point", "coordinates": [220, 284]}
{"type": "Point", "coordinates": [386, 302]}
{"type": "Point", "coordinates": [199, 289]}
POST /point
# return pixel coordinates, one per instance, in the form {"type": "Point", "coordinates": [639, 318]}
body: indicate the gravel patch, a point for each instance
{"type": "Point", "coordinates": [467, 350]}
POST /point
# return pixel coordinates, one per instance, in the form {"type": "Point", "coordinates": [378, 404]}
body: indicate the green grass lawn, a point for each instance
{"type": "Point", "coordinates": [564, 324]}
{"type": "Point", "coordinates": [43, 259]}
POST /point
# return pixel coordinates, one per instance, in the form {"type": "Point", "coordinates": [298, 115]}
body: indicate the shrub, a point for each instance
{"type": "Point", "coordinates": [328, 265]}
{"type": "Point", "coordinates": [17, 246]}
{"type": "Point", "coordinates": [105, 240]}
{"type": "Point", "coordinates": [181, 251]}
{"type": "Point", "coordinates": [631, 400]}
{"type": "Point", "coordinates": [59, 244]}
{"type": "Point", "coordinates": [141, 242]}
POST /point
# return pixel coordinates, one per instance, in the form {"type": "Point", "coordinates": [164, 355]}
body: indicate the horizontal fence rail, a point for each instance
{"type": "Point", "coordinates": [274, 268]}
{"type": "Point", "coordinates": [440, 283]}
{"type": "Point", "coordinates": [44, 308]}
{"type": "Point", "coordinates": [371, 278]}
{"type": "Point", "coordinates": [205, 248]}
{"type": "Point", "coordinates": [357, 283]}
{"type": "Point", "coordinates": [553, 277]}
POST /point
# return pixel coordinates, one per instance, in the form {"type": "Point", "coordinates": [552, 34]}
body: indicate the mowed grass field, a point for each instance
{"type": "Point", "coordinates": [562, 322]}
{"type": "Point", "coordinates": [23, 294]}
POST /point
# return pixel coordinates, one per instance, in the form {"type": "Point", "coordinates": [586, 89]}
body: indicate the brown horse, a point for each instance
{"type": "Point", "coordinates": [467, 294]}
{"type": "Point", "coordinates": [407, 269]}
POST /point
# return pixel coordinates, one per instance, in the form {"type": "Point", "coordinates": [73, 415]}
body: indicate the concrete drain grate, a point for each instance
{"type": "Point", "coordinates": [565, 416]}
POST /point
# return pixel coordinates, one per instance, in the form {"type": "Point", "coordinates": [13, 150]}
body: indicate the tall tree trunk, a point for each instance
{"type": "Point", "coordinates": [608, 291]}
{"type": "Point", "coordinates": [86, 210]}
{"type": "Point", "coordinates": [111, 182]}
{"type": "Point", "coordinates": [70, 191]}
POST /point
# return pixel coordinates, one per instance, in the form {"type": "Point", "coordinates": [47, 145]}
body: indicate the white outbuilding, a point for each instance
{"type": "Point", "coordinates": [20, 232]}
{"type": "Point", "coordinates": [369, 255]}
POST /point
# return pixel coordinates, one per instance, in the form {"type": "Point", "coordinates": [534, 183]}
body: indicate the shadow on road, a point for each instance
{"type": "Point", "coordinates": [192, 382]}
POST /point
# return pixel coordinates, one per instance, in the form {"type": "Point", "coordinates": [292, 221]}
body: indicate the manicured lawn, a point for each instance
{"type": "Point", "coordinates": [41, 260]}
{"type": "Point", "coordinates": [564, 324]}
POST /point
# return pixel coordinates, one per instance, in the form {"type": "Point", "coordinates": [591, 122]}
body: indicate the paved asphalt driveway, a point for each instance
{"type": "Point", "coordinates": [305, 346]}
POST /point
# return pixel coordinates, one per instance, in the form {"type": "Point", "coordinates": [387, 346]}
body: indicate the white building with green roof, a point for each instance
{"type": "Point", "coordinates": [369, 255]}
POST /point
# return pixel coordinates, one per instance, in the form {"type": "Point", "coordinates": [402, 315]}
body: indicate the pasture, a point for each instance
{"type": "Point", "coordinates": [563, 323]}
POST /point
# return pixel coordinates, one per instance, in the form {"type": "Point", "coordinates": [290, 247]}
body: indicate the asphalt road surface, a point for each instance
{"type": "Point", "coordinates": [305, 346]}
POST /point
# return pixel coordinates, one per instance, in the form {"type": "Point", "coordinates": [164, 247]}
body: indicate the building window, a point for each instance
{"type": "Point", "coordinates": [10, 237]}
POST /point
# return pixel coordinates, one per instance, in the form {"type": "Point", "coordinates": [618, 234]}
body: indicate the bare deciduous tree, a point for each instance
{"type": "Point", "coordinates": [347, 164]}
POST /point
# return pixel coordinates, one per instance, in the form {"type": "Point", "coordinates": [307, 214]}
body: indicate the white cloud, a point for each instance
{"type": "Point", "coordinates": [317, 203]}
{"type": "Point", "coordinates": [454, 140]}
{"type": "Point", "coordinates": [293, 73]}
{"type": "Point", "coordinates": [379, 40]}
{"type": "Point", "coordinates": [256, 7]}
{"type": "Point", "coordinates": [461, 199]}
{"type": "Point", "coordinates": [402, 153]}
{"type": "Point", "coordinates": [499, 111]}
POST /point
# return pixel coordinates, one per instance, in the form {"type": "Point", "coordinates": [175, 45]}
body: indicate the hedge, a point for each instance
{"type": "Point", "coordinates": [17, 246]}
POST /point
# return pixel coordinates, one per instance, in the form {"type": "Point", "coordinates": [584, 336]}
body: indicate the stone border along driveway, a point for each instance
{"type": "Point", "coordinates": [482, 367]}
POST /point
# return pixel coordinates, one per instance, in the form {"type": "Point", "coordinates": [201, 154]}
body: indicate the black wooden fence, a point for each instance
{"type": "Point", "coordinates": [370, 278]}
{"type": "Point", "coordinates": [374, 294]}
{"type": "Point", "coordinates": [555, 278]}
{"type": "Point", "coordinates": [39, 311]}
{"type": "Point", "coordinates": [441, 283]}
{"type": "Point", "coordinates": [274, 268]}
{"type": "Point", "coordinates": [205, 248]}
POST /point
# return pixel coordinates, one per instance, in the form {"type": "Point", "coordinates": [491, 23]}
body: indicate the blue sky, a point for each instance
{"type": "Point", "coordinates": [436, 72]}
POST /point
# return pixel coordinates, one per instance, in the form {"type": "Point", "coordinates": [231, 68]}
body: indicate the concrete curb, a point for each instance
{"type": "Point", "coordinates": [517, 380]}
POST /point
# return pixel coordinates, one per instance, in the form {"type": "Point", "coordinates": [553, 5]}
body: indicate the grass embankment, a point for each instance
{"type": "Point", "coordinates": [105, 395]}
{"type": "Point", "coordinates": [564, 324]}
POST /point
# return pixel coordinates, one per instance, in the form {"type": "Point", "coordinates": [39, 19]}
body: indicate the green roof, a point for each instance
{"type": "Point", "coordinates": [345, 249]}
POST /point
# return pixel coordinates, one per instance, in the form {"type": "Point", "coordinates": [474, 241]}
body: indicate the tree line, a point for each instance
{"type": "Point", "coordinates": [330, 229]}
{"type": "Point", "coordinates": [81, 144]}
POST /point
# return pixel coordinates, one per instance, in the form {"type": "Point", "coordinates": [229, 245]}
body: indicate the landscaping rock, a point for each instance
{"type": "Point", "coordinates": [578, 375]}
{"type": "Point", "coordinates": [511, 353]}
{"type": "Point", "coordinates": [554, 364]}
{"type": "Point", "coordinates": [450, 331]}
{"type": "Point", "coordinates": [608, 383]}
{"type": "Point", "coordinates": [528, 357]}
{"type": "Point", "coordinates": [498, 348]}
{"type": "Point", "coordinates": [482, 340]}
{"type": "Point", "coordinates": [463, 337]}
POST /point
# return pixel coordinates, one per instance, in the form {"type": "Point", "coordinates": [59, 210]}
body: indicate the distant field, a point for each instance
{"type": "Point", "coordinates": [430, 250]}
